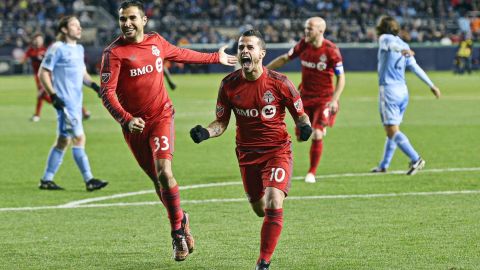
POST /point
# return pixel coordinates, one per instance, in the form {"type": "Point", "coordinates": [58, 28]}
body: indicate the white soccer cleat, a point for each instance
{"type": "Point", "coordinates": [310, 178]}
{"type": "Point", "coordinates": [35, 118]}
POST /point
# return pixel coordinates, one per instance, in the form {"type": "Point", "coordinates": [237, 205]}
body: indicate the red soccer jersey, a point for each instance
{"type": "Point", "coordinates": [132, 76]}
{"type": "Point", "coordinates": [318, 66]}
{"type": "Point", "coordinates": [259, 108]}
{"type": "Point", "coordinates": [36, 56]}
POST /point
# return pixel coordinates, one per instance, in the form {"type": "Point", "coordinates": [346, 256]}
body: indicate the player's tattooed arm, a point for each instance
{"type": "Point", "coordinates": [304, 126]}
{"type": "Point", "coordinates": [302, 120]}
{"type": "Point", "coordinates": [216, 128]}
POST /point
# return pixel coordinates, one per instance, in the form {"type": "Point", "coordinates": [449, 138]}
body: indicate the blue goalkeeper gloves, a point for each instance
{"type": "Point", "coordinates": [199, 134]}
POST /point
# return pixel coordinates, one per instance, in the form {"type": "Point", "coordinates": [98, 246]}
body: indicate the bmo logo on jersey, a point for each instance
{"type": "Point", "coordinates": [267, 112]}
{"type": "Point", "coordinates": [322, 65]}
{"type": "Point", "coordinates": [246, 112]}
{"type": "Point", "coordinates": [134, 72]}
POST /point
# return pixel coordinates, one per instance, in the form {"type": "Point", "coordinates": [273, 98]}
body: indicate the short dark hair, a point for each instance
{"type": "Point", "coordinates": [133, 3]}
{"type": "Point", "coordinates": [255, 33]}
{"type": "Point", "coordinates": [387, 25]}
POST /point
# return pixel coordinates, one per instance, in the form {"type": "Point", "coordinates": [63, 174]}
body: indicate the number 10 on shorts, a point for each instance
{"type": "Point", "coordinates": [278, 174]}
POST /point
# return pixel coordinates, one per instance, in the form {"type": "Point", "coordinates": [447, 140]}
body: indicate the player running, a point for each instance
{"type": "Point", "coordinates": [62, 74]}
{"type": "Point", "coordinates": [133, 91]}
{"type": "Point", "coordinates": [394, 56]}
{"type": "Point", "coordinates": [320, 60]}
{"type": "Point", "coordinates": [258, 97]}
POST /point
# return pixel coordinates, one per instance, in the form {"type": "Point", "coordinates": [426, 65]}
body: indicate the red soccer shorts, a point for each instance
{"type": "Point", "coordinates": [273, 170]}
{"type": "Point", "coordinates": [320, 116]}
{"type": "Point", "coordinates": [155, 142]}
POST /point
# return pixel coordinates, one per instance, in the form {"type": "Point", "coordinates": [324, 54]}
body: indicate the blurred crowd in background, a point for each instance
{"type": "Point", "coordinates": [185, 22]}
{"type": "Point", "coordinates": [216, 21]}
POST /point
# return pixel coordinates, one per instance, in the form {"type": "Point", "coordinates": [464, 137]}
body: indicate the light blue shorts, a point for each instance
{"type": "Point", "coordinates": [69, 122]}
{"type": "Point", "coordinates": [393, 101]}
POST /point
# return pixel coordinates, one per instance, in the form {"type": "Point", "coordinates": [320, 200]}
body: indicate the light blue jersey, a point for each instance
{"type": "Point", "coordinates": [66, 62]}
{"type": "Point", "coordinates": [393, 98]}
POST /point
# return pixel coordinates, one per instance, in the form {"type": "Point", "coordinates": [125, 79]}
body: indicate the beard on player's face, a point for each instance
{"type": "Point", "coordinates": [129, 31]}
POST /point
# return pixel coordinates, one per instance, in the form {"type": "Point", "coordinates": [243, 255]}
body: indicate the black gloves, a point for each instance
{"type": "Point", "coordinates": [57, 102]}
{"type": "Point", "coordinates": [95, 88]}
{"type": "Point", "coordinates": [305, 132]}
{"type": "Point", "coordinates": [198, 134]}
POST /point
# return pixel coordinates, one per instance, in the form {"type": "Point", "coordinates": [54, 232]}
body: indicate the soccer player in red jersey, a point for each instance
{"type": "Point", "coordinates": [258, 97]}
{"type": "Point", "coordinates": [320, 60]}
{"type": "Point", "coordinates": [35, 53]}
{"type": "Point", "coordinates": [134, 93]}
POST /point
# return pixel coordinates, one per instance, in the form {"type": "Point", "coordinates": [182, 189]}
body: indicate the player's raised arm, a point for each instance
{"type": "Point", "coordinates": [184, 55]}
{"type": "Point", "coordinates": [226, 59]}
{"type": "Point", "coordinates": [215, 129]}
{"type": "Point", "coordinates": [278, 62]}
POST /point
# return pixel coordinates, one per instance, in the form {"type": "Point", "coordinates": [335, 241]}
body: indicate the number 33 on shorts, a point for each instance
{"type": "Point", "coordinates": [161, 143]}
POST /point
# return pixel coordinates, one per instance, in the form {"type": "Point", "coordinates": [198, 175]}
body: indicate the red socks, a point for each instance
{"type": "Point", "coordinates": [38, 108]}
{"type": "Point", "coordinates": [271, 230]}
{"type": "Point", "coordinates": [315, 155]}
{"type": "Point", "coordinates": [171, 201]}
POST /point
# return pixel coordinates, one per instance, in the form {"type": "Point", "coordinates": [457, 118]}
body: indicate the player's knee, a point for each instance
{"type": "Point", "coordinates": [62, 143]}
{"type": "Point", "coordinates": [80, 140]}
{"type": "Point", "coordinates": [317, 134]}
{"type": "Point", "coordinates": [391, 130]}
{"type": "Point", "coordinates": [164, 174]}
{"type": "Point", "coordinates": [274, 198]}
{"type": "Point", "coordinates": [258, 209]}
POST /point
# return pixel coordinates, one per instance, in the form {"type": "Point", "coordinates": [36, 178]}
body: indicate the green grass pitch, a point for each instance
{"type": "Point", "coordinates": [349, 219]}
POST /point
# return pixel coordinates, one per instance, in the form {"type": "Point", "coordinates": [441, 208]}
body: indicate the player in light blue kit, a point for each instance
{"type": "Point", "coordinates": [63, 73]}
{"type": "Point", "coordinates": [394, 56]}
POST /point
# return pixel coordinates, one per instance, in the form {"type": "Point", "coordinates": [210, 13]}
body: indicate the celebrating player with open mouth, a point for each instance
{"type": "Point", "coordinates": [258, 97]}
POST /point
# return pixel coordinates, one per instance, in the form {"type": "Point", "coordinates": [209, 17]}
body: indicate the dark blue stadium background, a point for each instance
{"type": "Point", "coordinates": [434, 28]}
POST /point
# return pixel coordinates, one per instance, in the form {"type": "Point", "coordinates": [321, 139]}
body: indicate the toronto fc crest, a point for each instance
{"type": "Point", "coordinates": [155, 50]}
{"type": "Point", "coordinates": [268, 97]}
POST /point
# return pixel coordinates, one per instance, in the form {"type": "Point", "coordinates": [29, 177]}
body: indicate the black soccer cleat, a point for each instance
{"type": "Point", "coordinates": [262, 265]}
{"type": "Point", "coordinates": [94, 184]}
{"type": "Point", "coordinates": [414, 167]}
{"type": "Point", "coordinates": [378, 170]}
{"type": "Point", "coordinates": [49, 185]}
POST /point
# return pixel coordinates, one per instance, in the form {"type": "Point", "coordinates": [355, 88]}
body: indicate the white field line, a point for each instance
{"type": "Point", "coordinates": [319, 197]}
{"type": "Point", "coordinates": [84, 203]}
{"type": "Point", "coordinates": [122, 195]}
{"type": "Point", "coordinates": [221, 184]}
